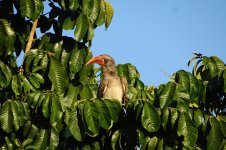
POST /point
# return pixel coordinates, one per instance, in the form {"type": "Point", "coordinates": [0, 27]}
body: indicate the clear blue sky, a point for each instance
{"type": "Point", "coordinates": [159, 36]}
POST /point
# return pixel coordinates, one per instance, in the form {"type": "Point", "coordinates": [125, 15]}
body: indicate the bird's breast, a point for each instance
{"type": "Point", "coordinates": [114, 90]}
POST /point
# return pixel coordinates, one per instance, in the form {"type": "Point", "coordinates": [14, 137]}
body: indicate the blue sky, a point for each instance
{"type": "Point", "coordinates": [159, 36]}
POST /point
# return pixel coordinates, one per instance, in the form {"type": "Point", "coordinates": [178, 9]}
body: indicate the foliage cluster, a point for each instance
{"type": "Point", "coordinates": [49, 102]}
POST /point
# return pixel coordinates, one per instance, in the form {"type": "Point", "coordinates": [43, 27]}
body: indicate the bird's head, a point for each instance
{"type": "Point", "coordinates": [103, 60]}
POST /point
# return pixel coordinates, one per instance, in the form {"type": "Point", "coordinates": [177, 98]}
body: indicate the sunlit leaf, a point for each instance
{"type": "Point", "coordinates": [108, 14]}
{"type": "Point", "coordinates": [81, 27]}
{"type": "Point", "coordinates": [6, 117]}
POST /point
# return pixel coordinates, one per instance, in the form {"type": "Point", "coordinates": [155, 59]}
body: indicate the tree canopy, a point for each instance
{"type": "Point", "coordinates": [49, 102]}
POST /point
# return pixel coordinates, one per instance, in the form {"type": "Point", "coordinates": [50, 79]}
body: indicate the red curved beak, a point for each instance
{"type": "Point", "coordinates": [96, 60]}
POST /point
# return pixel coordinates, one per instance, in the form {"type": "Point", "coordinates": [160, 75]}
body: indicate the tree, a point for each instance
{"type": "Point", "coordinates": [49, 102]}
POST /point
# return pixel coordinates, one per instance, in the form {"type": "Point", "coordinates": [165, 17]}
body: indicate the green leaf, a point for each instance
{"type": "Point", "coordinates": [68, 24]}
{"type": "Point", "coordinates": [219, 63]}
{"type": "Point", "coordinates": [210, 64]}
{"type": "Point", "coordinates": [101, 16]}
{"type": "Point", "coordinates": [56, 113]}
{"type": "Point", "coordinates": [7, 73]}
{"type": "Point", "coordinates": [58, 75]}
{"type": "Point", "coordinates": [198, 117]}
{"type": "Point", "coordinates": [81, 27]}
{"type": "Point", "coordinates": [39, 77]}
{"type": "Point", "coordinates": [76, 61]}
{"type": "Point", "coordinates": [152, 143]}
{"type": "Point", "coordinates": [214, 137]}
{"type": "Point", "coordinates": [27, 8]}
{"type": "Point", "coordinates": [16, 85]}
{"type": "Point", "coordinates": [54, 139]}
{"type": "Point", "coordinates": [32, 132]}
{"type": "Point", "coordinates": [105, 116]}
{"type": "Point", "coordinates": [114, 108]}
{"type": "Point", "coordinates": [34, 81]}
{"type": "Point", "coordinates": [187, 129]}
{"type": "Point", "coordinates": [114, 140]}
{"type": "Point", "coordinates": [38, 9]}
{"type": "Point", "coordinates": [73, 5]}
{"type": "Point", "coordinates": [166, 96]}
{"type": "Point", "coordinates": [45, 106]}
{"type": "Point", "coordinates": [109, 12]}
{"type": "Point", "coordinates": [224, 76]}
{"type": "Point", "coordinates": [86, 92]}
{"type": "Point", "coordinates": [94, 8]}
{"type": "Point", "coordinates": [6, 117]}
{"type": "Point", "coordinates": [41, 140]}
{"type": "Point", "coordinates": [165, 118]}
{"type": "Point", "coordinates": [76, 125]}
{"type": "Point", "coordinates": [150, 119]}
{"type": "Point", "coordinates": [91, 114]}
{"type": "Point", "coordinates": [16, 115]}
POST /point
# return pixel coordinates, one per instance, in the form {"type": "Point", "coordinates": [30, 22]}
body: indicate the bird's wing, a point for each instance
{"type": "Point", "coordinates": [102, 88]}
{"type": "Point", "coordinates": [125, 89]}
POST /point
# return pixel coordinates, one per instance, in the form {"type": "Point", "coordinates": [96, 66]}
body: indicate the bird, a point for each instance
{"type": "Point", "coordinates": [112, 86]}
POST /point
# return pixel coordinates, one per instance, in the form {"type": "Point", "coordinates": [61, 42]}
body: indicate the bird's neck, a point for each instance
{"type": "Point", "coordinates": [109, 70]}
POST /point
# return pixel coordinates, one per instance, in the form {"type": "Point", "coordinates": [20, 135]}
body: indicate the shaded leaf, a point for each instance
{"type": "Point", "coordinates": [58, 75]}
{"type": "Point", "coordinates": [187, 129]}
{"type": "Point", "coordinates": [150, 119]}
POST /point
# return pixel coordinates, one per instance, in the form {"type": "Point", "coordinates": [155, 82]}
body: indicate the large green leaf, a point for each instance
{"type": "Point", "coordinates": [38, 9]}
{"type": "Point", "coordinates": [105, 117]}
{"type": "Point", "coordinates": [187, 129]}
{"type": "Point", "coordinates": [6, 117]}
{"type": "Point", "coordinates": [109, 12]}
{"type": "Point", "coordinates": [76, 61]}
{"type": "Point", "coordinates": [101, 16]}
{"type": "Point", "coordinates": [214, 137]}
{"type": "Point", "coordinates": [94, 8]}
{"type": "Point", "coordinates": [27, 8]}
{"type": "Point", "coordinates": [71, 96]}
{"type": "Point", "coordinates": [45, 106]}
{"type": "Point", "coordinates": [81, 27]}
{"type": "Point", "coordinates": [198, 117]}
{"type": "Point", "coordinates": [114, 108]}
{"type": "Point", "coordinates": [16, 85]}
{"type": "Point", "coordinates": [54, 139]}
{"type": "Point", "coordinates": [16, 115]}
{"type": "Point", "coordinates": [9, 36]}
{"type": "Point", "coordinates": [150, 119]}
{"type": "Point", "coordinates": [92, 117]}
{"type": "Point", "coordinates": [56, 113]}
{"type": "Point", "coordinates": [6, 73]}
{"type": "Point", "coordinates": [58, 75]}
{"type": "Point", "coordinates": [76, 125]}
{"type": "Point", "coordinates": [210, 64]}
{"type": "Point", "coordinates": [41, 140]}
{"type": "Point", "coordinates": [166, 96]}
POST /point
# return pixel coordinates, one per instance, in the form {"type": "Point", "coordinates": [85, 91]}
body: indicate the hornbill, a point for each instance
{"type": "Point", "coordinates": [112, 86]}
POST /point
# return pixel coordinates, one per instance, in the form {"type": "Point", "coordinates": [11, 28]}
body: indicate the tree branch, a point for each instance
{"type": "Point", "coordinates": [31, 36]}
